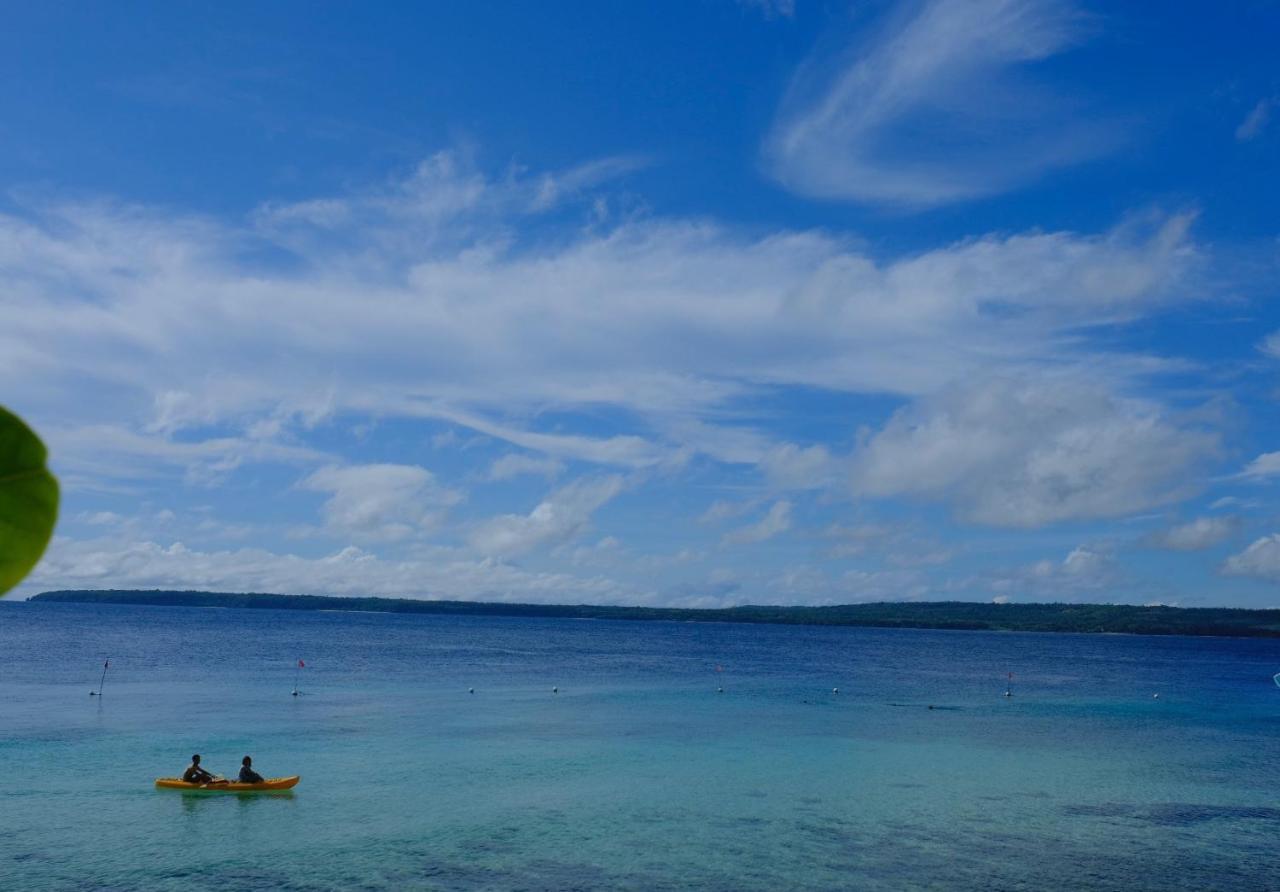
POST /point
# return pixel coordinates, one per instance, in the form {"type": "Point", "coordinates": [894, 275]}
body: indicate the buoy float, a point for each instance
{"type": "Point", "coordinates": [835, 690]}
{"type": "Point", "coordinates": [555, 690]}
{"type": "Point", "coordinates": [471, 690]}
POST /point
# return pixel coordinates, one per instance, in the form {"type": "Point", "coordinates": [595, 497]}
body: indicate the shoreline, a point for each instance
{"type": "Point", "coordinates": [955, 616]}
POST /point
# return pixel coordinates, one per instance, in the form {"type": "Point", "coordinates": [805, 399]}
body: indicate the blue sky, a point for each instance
{"type": "Point", "coordinates": [699, 303]}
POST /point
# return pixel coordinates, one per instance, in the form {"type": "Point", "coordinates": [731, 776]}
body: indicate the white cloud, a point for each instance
{"type": "Point", "coordinates": [159, 321]}
{"type": "Point", "coordinates": [1081, 563]}
{"type": "Point", "coordinates": [622, 450]}
{"type": "Point", "coordinates": [99, 518]}
{"type": "Point", "coordinates": [1234, 502]}
{"type": "Point", "coordinates": [1087, 572]}
{"type": "Point", "coordinates": [444, 200]}
{"type": "Point", "coordinates": [919, 554]}
{"type": "Point", "coordinates": [1032, 452]}
{"type": "Point", "coordinates": [381, 501]}
{"type": "Point", "coordinates": [810, 585]}
{"type": "Point", "coordinates": [897, 545]}
{"type": "Point", "coordinates": [776, 520]}
{"type": "Point", "coordinates": [852, 540]}
{"type": "Point", "coordinates": [441, 573]}
{"type": "Point", "coordinates": [719, 588]}
{"type": "Point", "coordinates": [148, 523]}
{"type": "Point", "coordinates": [1198, 534]}
{"type": "Point", "coordinates": [1257, 120]}
{"type": "Point", "coordinates": [936, 107]}
{"type": "Point", "coordinates": [882, 585]}
{"type": "Point", "coordinates": [1263, 467]}
{"type": "Point", "coordinates": [91, 455]}
{"type": "Point", "coordinates": [1271, 345]}
{"type": "Point", "coordinates": [561, 516]}
{"type": "Point", "coordinates": [731, 444]}
{"type": "Point", "coordinates": [514, 464]}
{"type": "Point", "coordinates": [606, 552]}
{"type": "Point", "coordinates": [157, 349]}
{"type": "Point", "coordinates": [723, 509]}
{"type": "Point", "coordinates": [789, 466]}
{"type": "Point", "coordinates": [771, 8]}
{"type": "Point", "coordinates": [1260, 560]}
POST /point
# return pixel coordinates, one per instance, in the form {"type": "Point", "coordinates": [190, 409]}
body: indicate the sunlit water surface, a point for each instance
{"type": "Point", "coordinates": [637, 774]}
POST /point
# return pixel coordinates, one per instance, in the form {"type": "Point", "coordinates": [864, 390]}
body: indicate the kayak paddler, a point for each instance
{"type": "Point", "coordinates": [247, 774]}
{"type": "Point", "coordinates": [197, 775]}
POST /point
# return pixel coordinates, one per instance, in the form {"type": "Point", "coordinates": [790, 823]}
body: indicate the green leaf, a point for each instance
{"type": "Point", "coordinates": [28, 500]}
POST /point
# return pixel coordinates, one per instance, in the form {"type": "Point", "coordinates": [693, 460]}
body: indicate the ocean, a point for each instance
{"type": "Point", "coordinates": [638, 774]}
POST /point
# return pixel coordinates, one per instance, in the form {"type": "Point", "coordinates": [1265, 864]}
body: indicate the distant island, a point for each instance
{"type": "Point", "coordinates": [962, 615]}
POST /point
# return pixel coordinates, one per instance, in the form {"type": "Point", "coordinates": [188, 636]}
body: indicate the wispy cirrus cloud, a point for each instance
{"type": "Point", "coordinates": [773, 8]}
{"type": "Point", "coordinates": [444, 202]}
{"type": "Point", "coordinates": [725, 509]}
{"type": "Point", "coordinates": [1257, 120]}
{"type": "Point", "coordinates": [934, 107]}
{"type": "Point", "coordinates": [95, 455]}
{"type": "Point", "coordinates": [514, 464]}
{"type": "Point", "coordinates": [775, 521]}
{"type": "Point", "coordinates": [181, 330]}
{"type": "Point", "coordinates": [558, 518]}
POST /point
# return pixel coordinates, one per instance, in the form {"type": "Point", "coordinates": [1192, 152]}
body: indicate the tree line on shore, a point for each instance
{"type": "Point", "coordinates": [958, 615]}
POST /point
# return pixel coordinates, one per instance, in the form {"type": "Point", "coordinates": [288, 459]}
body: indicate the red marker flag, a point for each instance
{"type": "Point", "coordinates": [301, 665]}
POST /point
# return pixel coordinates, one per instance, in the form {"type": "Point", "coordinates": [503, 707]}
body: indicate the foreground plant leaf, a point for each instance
{"type": "Point", "coordinates": [28, 500]}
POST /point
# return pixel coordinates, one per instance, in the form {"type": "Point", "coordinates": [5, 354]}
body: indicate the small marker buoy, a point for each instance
{"type": "Point", "coordinates": [555, 690]}
{"type": "Point", "coordinates": [719, 690]}
{"type": "Point", "coordinates": [471, 690]}
{"type": "Point", "coordinates": [102, 680]}
{"type": "Point", "coordinates": [1155, 696]}
{"type": "Point", "coordinates": [931, 706]}
{"type": "Point", "coordinates": [835, 690]}
{"type": "Point", "coordinates": [1008, 693]}
{"type": "Point", "coordinates": [294, 694]}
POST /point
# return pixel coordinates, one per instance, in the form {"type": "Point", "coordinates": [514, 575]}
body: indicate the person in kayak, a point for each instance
{"type": "Point", "coordinates": [247, 774]}
{"type": "Point", "coordinates": [197, 775]}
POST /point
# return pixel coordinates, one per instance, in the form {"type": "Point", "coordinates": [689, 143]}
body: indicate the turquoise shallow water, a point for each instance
{"type": "Point", "coordinates": [637, 775]}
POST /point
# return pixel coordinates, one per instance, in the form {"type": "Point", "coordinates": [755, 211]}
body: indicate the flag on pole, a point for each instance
{"type": "Point", "coordinates": [301, 665]}
{"type": "Point", "coordinates": [105, 664]}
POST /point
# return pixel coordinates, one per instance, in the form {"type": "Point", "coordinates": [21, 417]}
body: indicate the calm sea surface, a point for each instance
{"type": "Point", "coordinates": [637, 774]}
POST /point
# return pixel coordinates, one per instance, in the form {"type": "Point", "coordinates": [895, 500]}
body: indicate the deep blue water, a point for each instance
{"type": "Point", "coordinates": [637, 774]}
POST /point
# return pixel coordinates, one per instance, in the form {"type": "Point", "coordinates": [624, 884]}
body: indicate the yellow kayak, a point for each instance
{"type": "Point", "coordinates": [268, 785]}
